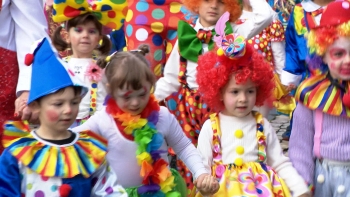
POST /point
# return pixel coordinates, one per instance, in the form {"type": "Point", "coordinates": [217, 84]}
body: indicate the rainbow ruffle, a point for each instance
{"type": "Point", "coordinates": [319, 92]}
{"type": "Point", "coordinates": [157, 178]}
{"type": "Point", "coordinates": [83, 157]}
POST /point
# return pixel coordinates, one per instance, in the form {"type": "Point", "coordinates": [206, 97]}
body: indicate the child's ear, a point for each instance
{"type": "Point", "coordinates": [34, 106]}
{"type": "Point", "coordinates": [108, 88]}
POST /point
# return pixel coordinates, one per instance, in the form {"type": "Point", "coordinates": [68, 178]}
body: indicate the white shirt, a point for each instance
{"type": "Point", "coordinates": [165, 86]}
{"type": "Point", "coordinates": [79, 66]}
{"type": "Point", "coordinates": [122, 152]}
{"type": "Point", "coordinates": [21, 24]}
{"type": "Point", "coordinates": [275, 157]}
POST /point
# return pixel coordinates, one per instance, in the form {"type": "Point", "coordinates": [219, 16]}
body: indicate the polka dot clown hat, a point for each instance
{"type": "Point", "coordinates": [336, 13]}
{"type": "Point", "coordinates": [49, 72]}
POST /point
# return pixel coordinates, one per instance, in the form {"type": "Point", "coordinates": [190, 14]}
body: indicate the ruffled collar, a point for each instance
{"type": "Point", "coordinates": [157, 178]}
{"type": "Point", "coordinates": [324, 93]}
{"type": "Point", "coordinates": [84, 156]}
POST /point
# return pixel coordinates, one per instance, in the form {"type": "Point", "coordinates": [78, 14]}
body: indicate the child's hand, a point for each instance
{"type": "Point", "coordinates": [290, 87]}
{"type": "Point", "coordinates": [304, 195]}
{"type": "Point", "coordinates": [207, 184]}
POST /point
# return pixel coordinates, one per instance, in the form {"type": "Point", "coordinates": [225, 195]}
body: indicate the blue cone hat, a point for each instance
{"type": "Point", "coordinates": [49, 72]}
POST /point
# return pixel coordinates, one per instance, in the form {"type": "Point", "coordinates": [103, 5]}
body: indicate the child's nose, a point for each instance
{"type": "Point", "coordinates": [68, 109]}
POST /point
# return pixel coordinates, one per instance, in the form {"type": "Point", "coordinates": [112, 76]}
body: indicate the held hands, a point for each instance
{"type": "Point", "coordinates": [22, 110]}
{"type": "Point", "coordinates": [290, 87]}
{"type": "Point", "coordinates": [207, 184]}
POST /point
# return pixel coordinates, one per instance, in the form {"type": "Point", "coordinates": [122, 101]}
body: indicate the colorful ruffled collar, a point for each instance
{"type": "Point", "coordinates": [324, 93]}
{"type": "Point", "coordinates": [83, 157]}
{"type": "Point", "coordinates": [157, 178]}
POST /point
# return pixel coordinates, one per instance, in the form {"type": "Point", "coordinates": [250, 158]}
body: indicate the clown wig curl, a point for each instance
{"type": "Point", "coordinates": [215, 71]}
{"type": "Point", "coordinates": [234, 7]}
{"type": "Point", "coordinates": [321, 38]}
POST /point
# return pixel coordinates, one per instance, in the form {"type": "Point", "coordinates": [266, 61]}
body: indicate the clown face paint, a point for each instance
{"type": "Point", "coordinates": [132, 101]}
{"type": "Point", "coordinates": [337, 58]}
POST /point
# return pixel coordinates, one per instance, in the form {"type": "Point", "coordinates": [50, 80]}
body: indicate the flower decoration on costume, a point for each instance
{"type": "Point", "coordinates": [232, 45]}
{"type": "Point", "coordinates": [94, 72]}
{"type": "Point", "coordinates": [109, 13]}
{"type": "Point", "coordinates": [157, 179]}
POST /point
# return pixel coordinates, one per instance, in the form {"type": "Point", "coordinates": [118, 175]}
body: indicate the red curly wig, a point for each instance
{"type": "Point", "coordinates": [234, 7]}
{"type": "Point", "coordinates": [214, 72]}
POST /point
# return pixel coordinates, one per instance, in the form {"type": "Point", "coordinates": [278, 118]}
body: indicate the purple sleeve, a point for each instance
{"type": "Point", "coordinates": [301, 142]}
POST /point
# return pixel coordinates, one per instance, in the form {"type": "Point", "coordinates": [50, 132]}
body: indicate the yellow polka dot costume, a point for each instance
{"type": "Point", "coordinates": [109, 13]}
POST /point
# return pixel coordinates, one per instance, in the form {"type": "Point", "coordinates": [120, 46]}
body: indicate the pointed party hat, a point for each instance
{"type": "Point", "coordinates": [49, 72]}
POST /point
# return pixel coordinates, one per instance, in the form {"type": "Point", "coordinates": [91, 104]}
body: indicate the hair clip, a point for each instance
{"type": "Point", "coordinates": [136, 50]}
{"type": "Point", "coordinates": [232, 45]}
{"type": "Point", "coordinates": [108, 58]}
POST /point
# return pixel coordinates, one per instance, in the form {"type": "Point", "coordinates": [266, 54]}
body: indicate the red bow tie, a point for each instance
{"type": "Point", "coordinates": [204, 35]}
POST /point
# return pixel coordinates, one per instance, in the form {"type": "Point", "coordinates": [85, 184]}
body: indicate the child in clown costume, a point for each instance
{"type": "Point", "coordinates": [319, 144]}
{"type": "Point", "coordinates": [51, 160]}
{"type": "Point", "coordinates": [84, 32]}
{"type": "Point", "coordinates": [178, 87]}
{"type": "Point", "coordinates": [305, 15]}
{"type": "Point", "coordinates": [238, 145]}
{"type": "Point", "coordinates": [139, 131]}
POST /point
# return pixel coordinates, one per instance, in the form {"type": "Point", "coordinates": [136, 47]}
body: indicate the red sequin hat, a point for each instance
{"type": "Point", "coordinates": [336, 13]}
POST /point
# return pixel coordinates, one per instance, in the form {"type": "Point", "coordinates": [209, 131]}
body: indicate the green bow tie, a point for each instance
{"type": "Point", "coordinates": [190, 41]}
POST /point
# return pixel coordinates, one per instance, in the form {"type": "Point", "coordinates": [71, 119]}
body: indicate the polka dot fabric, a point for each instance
{"type": "Point", "coordinates": [9, 76]}
{"type": "Point", "coordinates": [262, 41]}
{"type": "Point", "coordinates": [153, 22]}
{"type": "Point", "coordinates": [109, 13]}
{"type": "Point", "coordinates": [191, 112]}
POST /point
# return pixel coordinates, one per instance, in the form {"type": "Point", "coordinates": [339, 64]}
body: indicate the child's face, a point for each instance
{"type": "Point", "coordinates": [132, 101]}
{"type": "Point", "coordinates": [338, 58]}
{"type": "Point", "coordinates": [84, 39]}
{"type": "Point", "coordinates": [210, 11]}
{"type": "Point", "coordinates": [239, 99]}
{"type": "Point", "coordinates": [58, 111]}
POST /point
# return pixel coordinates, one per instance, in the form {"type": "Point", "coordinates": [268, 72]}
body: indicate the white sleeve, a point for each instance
{"type": "Point", "coordinates": [279, 56]}
{"type": "Point", "coordinates": [92, 124]}
{"type": "Point", "coordinates": [205, 145]}
{"type": "Point", "coordinates": [281, 164]}
{"type": "Point", "coordinates": [169, 84]}
{"type": "Point", "coordinates": [182, 146]}
{"type": "Point", "coordinates": [261, 17]}
{"type": "Point", "coordinates": [30, 25]}
{"type": "Point", "coordinates": [107, 183]}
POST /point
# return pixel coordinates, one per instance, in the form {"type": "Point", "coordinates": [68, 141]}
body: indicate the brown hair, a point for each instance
{"type": "Point", "coordinates": [62, 45]}
{"type": "Point", "coordinates": [76, 89]}
{"type": "Point", "coordinates": [128, 67]}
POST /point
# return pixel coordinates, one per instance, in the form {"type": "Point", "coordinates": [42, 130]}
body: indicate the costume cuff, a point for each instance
{"type": "Point", "coordinates": [289, 78]}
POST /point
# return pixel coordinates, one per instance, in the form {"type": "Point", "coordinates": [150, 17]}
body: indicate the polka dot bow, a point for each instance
{"type": "Point", "coordinates": [109, 13]}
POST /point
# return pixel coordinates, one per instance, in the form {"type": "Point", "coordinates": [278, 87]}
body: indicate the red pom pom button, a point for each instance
{"type": "Point", "coordinates": [28, 60]}
{"type": "Point", "coordinates": [65, 190]}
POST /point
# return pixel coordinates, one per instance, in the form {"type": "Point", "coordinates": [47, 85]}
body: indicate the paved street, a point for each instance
{"type": "Point", "coordinates": [280, 123]}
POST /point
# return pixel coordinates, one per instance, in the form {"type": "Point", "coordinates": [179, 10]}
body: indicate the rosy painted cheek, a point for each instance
{"type": "Point", "coordinates": [52, 116]}
{"type": "Point", "coordinates": [332, 65]}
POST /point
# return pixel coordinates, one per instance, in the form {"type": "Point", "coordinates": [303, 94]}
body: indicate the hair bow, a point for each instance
{"type": "Point", "coordinates": [232, 45]}
{"type": "Point", "coordinates": [109, 13]}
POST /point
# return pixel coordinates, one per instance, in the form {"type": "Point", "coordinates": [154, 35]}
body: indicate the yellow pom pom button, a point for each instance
{"type": "Point", "coordinates": [240, 150]}
{"type": "Point", "coordinates": [220, 52]}
{"type": "Point", "coordinates": [239, 162]}
{"type": "Point", "coordinates": [239, 133]}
